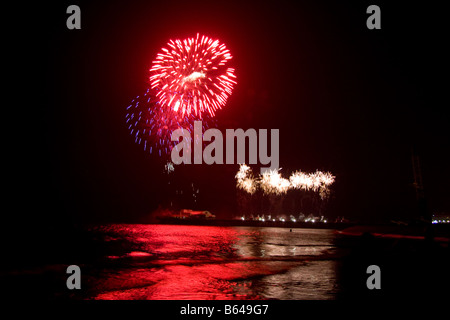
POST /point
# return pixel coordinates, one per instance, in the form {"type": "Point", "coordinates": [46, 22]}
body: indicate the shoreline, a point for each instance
{"type": "Point", "coordinates": [253, 223]}
{"type": "Point", "coordinates": [441, 233]}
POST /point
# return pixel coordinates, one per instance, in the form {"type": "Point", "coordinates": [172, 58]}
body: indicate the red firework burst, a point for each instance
{"type": "Point", "coordinates": [192, 77]}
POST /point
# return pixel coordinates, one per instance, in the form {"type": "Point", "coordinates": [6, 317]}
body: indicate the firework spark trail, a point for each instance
{"type": "Point", "coordinates": [192, 77]}
{"type": "Point", "coordinates": [272, 182]}
{"type": "Point", "coordinates": [244, 172]}
{"type": "Point", "coordinates": [169, 167]}
{"type": "Point", "coordinates": [245, 179]}
{"type": "Point", "coordinates": [318, 182]}
{"type": "Point", "coordinates": [327, 179]}
{"type": "Point", "coordinates": [301, 180]}
{"type": "Point", "coordinates": [151, 124]}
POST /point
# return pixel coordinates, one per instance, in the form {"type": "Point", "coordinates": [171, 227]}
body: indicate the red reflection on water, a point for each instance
{"type": "Point", "coordinates": [207, 281]}
{"type": "Point", "coordinates": [189, 262]}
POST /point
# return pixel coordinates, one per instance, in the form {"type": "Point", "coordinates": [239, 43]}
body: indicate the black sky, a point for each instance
{"type": "Point", "coordinates": [346, 99]}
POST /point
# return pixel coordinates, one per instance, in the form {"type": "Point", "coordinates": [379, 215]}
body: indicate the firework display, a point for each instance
{"type": "Point", "coordinates": [263, 198]}
{"type": "Point", "coordinates": [192, 75]}
{"type": "Point", "coordinates": [318, 182]}
{"type": "Point", "coordinates": [151, 124]}
{"type": "Point", "coordinates": [271, 181]}
{"type": "Point", "coordinates": [245, 179]}
{"type": "Point", "coordinates": [187, 81]}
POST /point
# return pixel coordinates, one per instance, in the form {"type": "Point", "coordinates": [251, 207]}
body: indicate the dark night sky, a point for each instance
{"type": "Point", "coordinates": [346, 99]}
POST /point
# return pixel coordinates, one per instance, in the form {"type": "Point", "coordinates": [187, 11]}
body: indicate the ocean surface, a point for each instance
{"type": "Point", "coordinates": [208, 262]}
{"type": "Point", "coordinates": [180, 262]}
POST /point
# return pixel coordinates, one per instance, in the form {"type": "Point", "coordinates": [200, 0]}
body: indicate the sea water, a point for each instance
{"type": "Point", "coordinates": [209, 262]}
